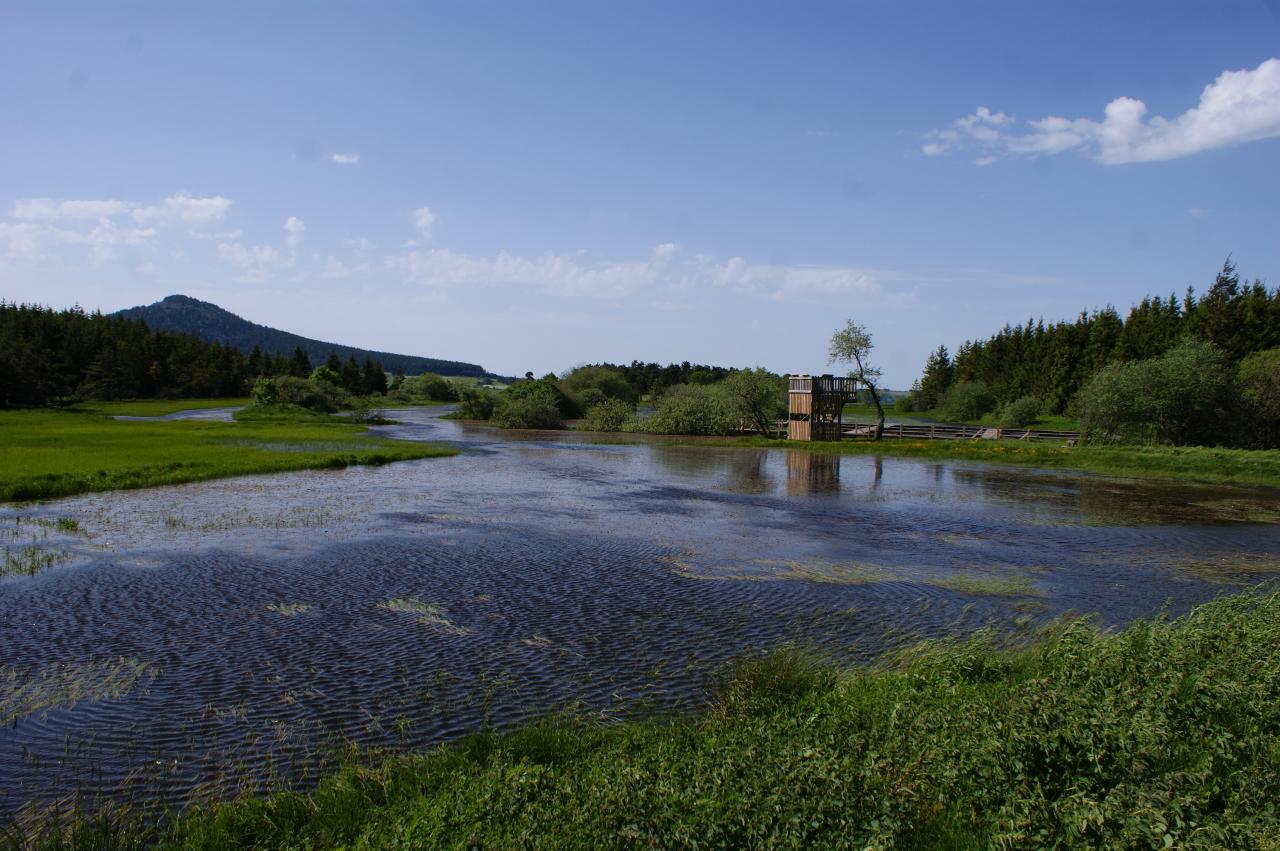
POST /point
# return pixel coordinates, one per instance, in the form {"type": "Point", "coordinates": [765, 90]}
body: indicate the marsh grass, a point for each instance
{"type": "Point", "coordinates": [979, 585]}
{"type": "Point", "coordinates": [29, 560]}
{"type": "Point", "coordinates": [52, 454]}
{"type": "Point", "coordinates": [1164, 735]}
{"type": "Point", "coordinates": [428, 614]}
{"type": "Point", "coordinates": [34, 694]}
{"type": "Point", "coordinates": [161, 407]}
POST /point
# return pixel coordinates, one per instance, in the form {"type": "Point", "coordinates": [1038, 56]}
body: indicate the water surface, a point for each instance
{"type": "Point", "coordinates": [196, 639]}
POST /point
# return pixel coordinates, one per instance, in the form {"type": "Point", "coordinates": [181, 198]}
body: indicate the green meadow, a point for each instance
{"type": "Point", "coordinates": [50, 454]}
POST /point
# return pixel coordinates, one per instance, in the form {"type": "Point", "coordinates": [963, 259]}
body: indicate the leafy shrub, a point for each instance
{"type": "Point", "coordinates": [591, 397]}
{"type": "Point", "coordinates": [1179, 398]}
{"type": "Point", "coordinates": [967, 400]}
{"type": "Point", "coordinates": [1258, 384]}
{"type": "Point", "coordinates": [324, 373]}
{"type": "Point", "coordinates": [535, 407]}
{"type": "Point", "coordinates": [1019, 413]}
{"type": "Point", "coordinates": [609, 383]}
{"type": "Point", "coordinates": [366, 409]}
{"type": "Point", "coordinates": [760, 397]}
{"type": "Point", "coordinates": [547, 387]}
{"type": "Point", "coordinates": [432, 387]}
{"type": "Point", "coordinates": [313, 395]}
{"type": "Point", "coordinates": [608, 415]}
{"type": "Point", "coordinates": [264, 393]}
{"type": "Point", "coordinates": [685, 409]}
{"type": "Point", "coordinates": [476, 404]}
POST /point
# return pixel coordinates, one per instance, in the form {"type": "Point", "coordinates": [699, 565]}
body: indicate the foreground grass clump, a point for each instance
{"type": "Point", "coordinates": [1167, 734]}
{"type": "Point", "coordinates": [51, 454]}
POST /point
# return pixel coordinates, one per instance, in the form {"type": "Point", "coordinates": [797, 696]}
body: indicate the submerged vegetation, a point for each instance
{"type": "Point", "coordinates": [59, 453]}
{"type": "Point", "coordinates": [1166, 734]}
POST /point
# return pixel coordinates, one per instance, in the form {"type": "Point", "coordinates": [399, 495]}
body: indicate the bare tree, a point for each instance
{"type": "Point", "coordinates": [852, 345]}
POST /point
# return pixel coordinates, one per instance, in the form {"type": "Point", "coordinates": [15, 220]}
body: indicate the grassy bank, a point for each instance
{"type": "Point", "coordinates": [1189, 463]}
{"type": "Point", "coordinates": [51, 454]}
{"type": "Point", "coordinates": [161, 407]}
{"type": "Point", "coordinates": [867, 413]}
{"type": "Point", "coordinates": [1165, 735]}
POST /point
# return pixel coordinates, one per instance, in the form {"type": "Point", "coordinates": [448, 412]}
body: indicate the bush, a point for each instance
{"type": "Point", "coordinates": [684, 409]}
{"type": "Point", "coordinates": [365, 409]}
{"type": "Point", "coordinates": [547, 387]}
{"type": "Point", "coordinates": [535, 407]}
{"type": "Point", "coordinates": [609, 415]}
{"type": "Point", "coordinates": [313, 395]}
{"type": "Point", "coordinates": [760, 397]}
{"type": "Point", "coordinates": [432, 387]}
{"type": "Point", "coordinates": [608, 383]}
{"type": "Point", "coordinates": [476, 404]}
{"type": "Point", "coordinates": [967, 400]}
{"type": "Point", "coordinates": [264, 393]}
{"type": "Point", "coordinates": [302, 392]}
{"type": "Point", "coordinates": [1179, 398]}
{"type": "Point", "coordinates": [1019, 413]}
{"type": "Point", "coordinates": [1258, 386]}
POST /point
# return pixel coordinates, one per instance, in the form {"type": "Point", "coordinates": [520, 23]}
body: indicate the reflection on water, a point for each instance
{"type": "Point", "coordinates": [191, 639]}
{"type": "Point", "coordinates": [813, 473]}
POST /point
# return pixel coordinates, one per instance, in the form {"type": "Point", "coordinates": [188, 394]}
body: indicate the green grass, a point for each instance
{"type": "Point", "coordinates": [161, 407]}
{"type": "Point", "coordinates": [50, 454]}
{"type": "Point", "coordinates": [1044, 422]}
{"type": "Point", "coordinates": [1165, 735]}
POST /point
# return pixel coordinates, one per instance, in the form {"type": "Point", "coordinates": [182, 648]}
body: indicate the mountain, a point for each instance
{"type": "Point", "coordinates": [210, 322]}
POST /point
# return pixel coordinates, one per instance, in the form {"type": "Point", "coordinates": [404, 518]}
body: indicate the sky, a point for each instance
{"type": "Point", "coordinates": [531, 186]}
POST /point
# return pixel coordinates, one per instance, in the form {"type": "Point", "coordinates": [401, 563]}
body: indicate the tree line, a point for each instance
{"type": "Point", "coordinates": [50, 356]}
{"type": "Point", "coordinates": [1194, 369]}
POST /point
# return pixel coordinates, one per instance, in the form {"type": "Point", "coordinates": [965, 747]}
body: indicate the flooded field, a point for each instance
{"type": "Point", "coordinates": [173, 643]}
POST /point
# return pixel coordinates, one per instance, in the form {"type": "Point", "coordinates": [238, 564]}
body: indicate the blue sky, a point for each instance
{"type": "Point", "coordinates": [535, 185]}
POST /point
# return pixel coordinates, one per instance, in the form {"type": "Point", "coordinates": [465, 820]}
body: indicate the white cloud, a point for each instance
{"type": "Point", "coordinates": [222, 236]}
{"type": "Point", "coordinates": [31, 241]}
{"type": "Point", "coordinates": [49, 210]}
{"type": "Point", "coordinates": [1238, 107]}
{"type": "Point", "coordinates": [184, 208]}
{"type": "Point", "coordinates": [345, 159]}
{"type": "Point", "coordinates": [294, 227]}
{"type": "Point", "coordinates": [663, 271]}
{"type": "Point", "coordinates": [423, 221]}
{"type": "Point", "coordinates": [255, 262]}
{"type": "Point", "coordinates": [1197, 212]}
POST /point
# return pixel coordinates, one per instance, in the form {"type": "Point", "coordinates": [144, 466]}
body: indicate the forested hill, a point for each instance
{"type": "Point", "coordinates": [183, 314]}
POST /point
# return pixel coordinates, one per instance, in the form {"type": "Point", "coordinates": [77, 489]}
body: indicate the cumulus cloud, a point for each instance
{"type": "Point", "coordinates": [184, 208]}
{"type": "Point", "coordinates": [1238, 107]}
{"type": "Point", "coordinates": [665, 269]}
{"type": "Point", "coordinates": [294, 228]}
{"type": "Point", "coordinates": [254, 262]}
{"type": "Point", "coordinates": [42, 227]}
{"type": "Point", "coordinates": [49, 210]}
{"type": "Point", "coordinates": [423, 221]}
{"type": "Point", "coordinates": [345, 159]}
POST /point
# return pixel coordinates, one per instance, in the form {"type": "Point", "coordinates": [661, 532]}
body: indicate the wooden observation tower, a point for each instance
{"type": "Point", "coordinates": [816, 405]}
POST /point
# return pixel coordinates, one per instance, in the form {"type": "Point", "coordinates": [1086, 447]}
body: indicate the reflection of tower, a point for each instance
{"type": "Point", "coordinates": [812, 472]}
{"type": "Point", "coordinates": [815, 406]}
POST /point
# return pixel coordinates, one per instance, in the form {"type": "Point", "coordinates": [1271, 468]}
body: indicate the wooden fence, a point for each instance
{"type": "Point", "coordinates": [945, 431]}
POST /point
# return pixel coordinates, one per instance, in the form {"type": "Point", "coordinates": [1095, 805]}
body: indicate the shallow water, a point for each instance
{"type": "Point", "coordinates": [198, 639]}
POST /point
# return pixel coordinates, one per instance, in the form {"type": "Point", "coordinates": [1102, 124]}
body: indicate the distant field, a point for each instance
{"type": "Point", "coordinates": [51, 454]}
